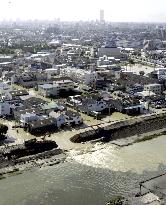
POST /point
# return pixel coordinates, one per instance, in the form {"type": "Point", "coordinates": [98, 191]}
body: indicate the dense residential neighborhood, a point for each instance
{"type": "Point", "coordinates": [75, 83]}
{"type": "Point", "coordinates": [96, 77]}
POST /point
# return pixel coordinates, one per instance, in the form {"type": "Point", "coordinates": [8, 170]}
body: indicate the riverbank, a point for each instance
{"type": "Point", "coordinates": [56, 156]}
{"type": "Point", "coordinates": [122, 130]}
{"type": "Point", "coordinates": [138, 138]}
{"type": "Point", "coordinates": [30, 154]}
{"type": "Point", "coordinates": [33, 161]}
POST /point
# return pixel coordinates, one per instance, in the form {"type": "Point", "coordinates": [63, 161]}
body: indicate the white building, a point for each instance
{"type": "Point", "coordinates": [155, 88]}
{"type": "Point", "coordinates": [79, 75]}
{"type": "Point", "coordinates": [105, 61]}
{"type": "Point", "coordinates": [145, 94]}
{"type": "Point", "coordinates": [4, 108]}
{"type": "Point", "coordinates": [92, 105]}
{"type": "Point", "coordinates": [51, 72]}
{"type": "Point", "coordinates": [48, 90]}
{"type": "Point", "coordinates": [28, 117]}
{"type": "Point", "coordinates": [59, 118]}
{"type": "Point", "coordinates": [4, 87]}
{"type": "Point", "coordinates": [64, 84]}
{"type": "Point", "coordinates": [73, 118]}
{"type": "Point", "coordinates": [161, 73]}
{"type": "Point", "coordinates": [4, 58]}
{"type": "Point", "coordinates": [101, 16]}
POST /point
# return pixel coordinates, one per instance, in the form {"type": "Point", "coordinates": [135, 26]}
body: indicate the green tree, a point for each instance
{"type": "Point", "coordinates": [131, 61]}
{"type": "Point", "coordinates": [142, 73]}
{"type": "Point", "coordinates": [3, 130]}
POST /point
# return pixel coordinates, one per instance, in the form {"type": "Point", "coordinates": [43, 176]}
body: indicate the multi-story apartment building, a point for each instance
{"type": "Point", "coordinates": [79, 75]}
{"type": "Point", "coordinates": [155, 88]}
{"type": "Point", "coordinates": [54, 89]}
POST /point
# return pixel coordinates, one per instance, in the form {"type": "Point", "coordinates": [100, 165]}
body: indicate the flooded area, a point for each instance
{"type": "Point", "coordinates": [61, 136]}
{"type": "Point", "coordinates": [90, 176]}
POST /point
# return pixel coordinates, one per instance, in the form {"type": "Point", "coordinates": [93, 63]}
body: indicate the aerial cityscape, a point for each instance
{"type": "Point", "coordinates": [83, 103]}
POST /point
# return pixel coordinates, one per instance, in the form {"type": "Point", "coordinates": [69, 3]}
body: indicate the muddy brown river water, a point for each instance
{"type": "Point", "coordinates": [87, 178]}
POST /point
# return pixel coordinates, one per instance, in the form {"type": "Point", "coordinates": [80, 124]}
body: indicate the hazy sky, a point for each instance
{"type": "Point", "coordinates": [115, 10]}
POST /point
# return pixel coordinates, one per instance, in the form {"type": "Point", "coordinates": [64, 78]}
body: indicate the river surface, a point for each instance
{"type": "Point", "coordinates": [91, 177]}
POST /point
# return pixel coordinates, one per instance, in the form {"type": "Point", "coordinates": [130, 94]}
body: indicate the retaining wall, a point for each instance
{"type": "Point", "coordinates": [123, 129]}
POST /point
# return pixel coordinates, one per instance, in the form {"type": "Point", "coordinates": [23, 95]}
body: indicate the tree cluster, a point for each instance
{"type": "Point", "coordinates": [3, 130]}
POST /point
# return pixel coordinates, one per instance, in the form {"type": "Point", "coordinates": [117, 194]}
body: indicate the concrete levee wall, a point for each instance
{"type": "Point", "coordinates": [124, 129]}
{"type": "Point", "coordinates": [138, 128]}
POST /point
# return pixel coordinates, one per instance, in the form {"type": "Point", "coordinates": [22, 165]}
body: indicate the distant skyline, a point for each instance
{"type": "Point", "coordinates": [73, 10]}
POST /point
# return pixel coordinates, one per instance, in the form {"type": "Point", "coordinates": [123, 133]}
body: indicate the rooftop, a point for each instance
{"type": "Point", "coordinates": [51, 105]}
{"type": "Point", "coordinates": [19, 92]}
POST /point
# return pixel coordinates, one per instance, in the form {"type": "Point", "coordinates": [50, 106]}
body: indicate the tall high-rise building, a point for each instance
{"type": "Point", "coordinates": [101, 16]}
